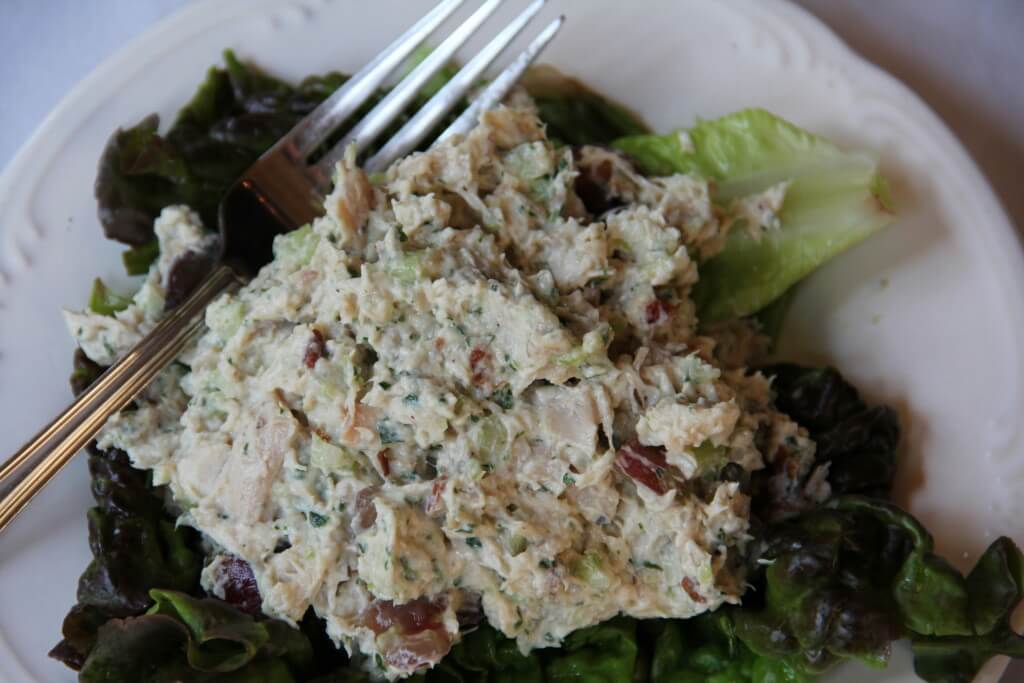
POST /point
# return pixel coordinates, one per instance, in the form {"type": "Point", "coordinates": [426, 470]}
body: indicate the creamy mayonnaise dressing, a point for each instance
{"type": "Point", "coordinates": [460, 390]}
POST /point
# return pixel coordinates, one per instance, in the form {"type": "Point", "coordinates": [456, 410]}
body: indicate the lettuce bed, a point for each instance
{"type": "Point", "coordinates": [839, 581]}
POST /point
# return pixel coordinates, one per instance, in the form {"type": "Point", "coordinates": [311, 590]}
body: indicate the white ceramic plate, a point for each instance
{"type": "Point", "coordinates": [926, 316]}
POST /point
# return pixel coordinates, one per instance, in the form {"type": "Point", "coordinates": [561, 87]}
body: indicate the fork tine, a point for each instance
{"type": "Point", "coordinates": [330, 113]}
{"type": "Point", "coordinates": [420, 125]}
{"type": "Point", "coordinates": [388, 109]}
{"type": "Point", "coordinates": [500, 86]}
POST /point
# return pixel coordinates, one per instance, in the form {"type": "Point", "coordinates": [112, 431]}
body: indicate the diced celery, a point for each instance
{"type": "Point", "coordinates": [150, 300]}
{"type": "Point", "coordinates": [697, 370]}
{"type": "Point", "coordinates": [330, 458]}
{"type": "Point", "coordinates": [516, 545]}
{"type": "Point", "coordinates": [710, 456]}
{"type": "Point", "coordinates": [490, 440]}
{"type": "Point", "coordinates": [591, 350]}
{"type": "Point", "coordinates": [598, 339]}
{"type": "Point", "coordinates": [539, 189]}
{"type": "Point", "coordinates": [589, 568]}
{"type": "Point", "coordinates": [332, 377]}
{"type": "Point", "coordinates": [473, 470]}
{"type": "Point", "coordinates": [572, 359]}
{"type": "Point", "coordinates": [295, 249]}
{"type": "Point", "coordinates": [105, 302]}
{"type": "Point", "coordinates": [215, 382]}
{"type": "Point", "coordinates": [408, 268]}
{"type": "Point", "coordinates": [225, 317]}
{"type": "Point", "coordinates": [529, 160]}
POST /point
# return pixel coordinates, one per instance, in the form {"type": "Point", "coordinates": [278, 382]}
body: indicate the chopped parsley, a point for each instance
{"type": "Point", "coordinates": [388, 434]}
{"type": "Point", "coordinates": [503, 396]}
{"type": "Point", "coordinates": [408, 573]}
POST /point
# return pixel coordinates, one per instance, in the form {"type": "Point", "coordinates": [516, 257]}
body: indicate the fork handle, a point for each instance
{"type": "Point", "coordinates": [112, 391]}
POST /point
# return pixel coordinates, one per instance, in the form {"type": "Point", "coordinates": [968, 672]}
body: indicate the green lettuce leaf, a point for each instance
{"type": "Point", "coordinates": [658, 154]}
{"type": "Point", "coordinates": [930, 594]}
{"type": "Point", "coordinates": [105, 301]}
{"type": "Point", "coordinates": [136, 547]}
{"type": "Point", "coordinates": [845, 580]}
{"type": "Point", "coordinates": [435, 82]}
{"type": "Point", "coordinates": [130, 195]}
{"type": "Point", "coordinates": [137, 260]}
{"type": "Point", "coordinates": [835, 200]}
{"type": "Point", "coordinates": [135, 542]}
{"type": "Point", "coordinates": [822, 590]}
{"type": "Point", "coordinates": [994, 589]}
{"type": "Point", "coordinates": [576, 115]}
{"type": "Point", "coordinates": [606, 653]}
{"type": "Point", "coordinates": [771, 318]}
{"type": "Point", "coordinates": [858, 442]}
{"type": "Point", "coordinates": [705, 650]}
{"type": "Point", "coordinates": [223, 638]}
{"type": "Point", "coordinates": [184, 638]}
{"type": "Point", "coordinates": [486, 656]}
{"type": "Point", "coordinates": [237, 114]}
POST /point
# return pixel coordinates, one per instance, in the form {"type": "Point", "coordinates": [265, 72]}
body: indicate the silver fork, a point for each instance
{"type": "Point", "coordinates": [278, 193]}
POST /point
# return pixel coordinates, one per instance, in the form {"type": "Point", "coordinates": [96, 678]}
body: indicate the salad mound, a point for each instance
{"type": "Point", "coordinates": [492, 417]}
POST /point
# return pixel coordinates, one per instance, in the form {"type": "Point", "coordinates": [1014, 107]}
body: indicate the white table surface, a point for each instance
{"type": "Point", "coordinates": [963, 56]}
